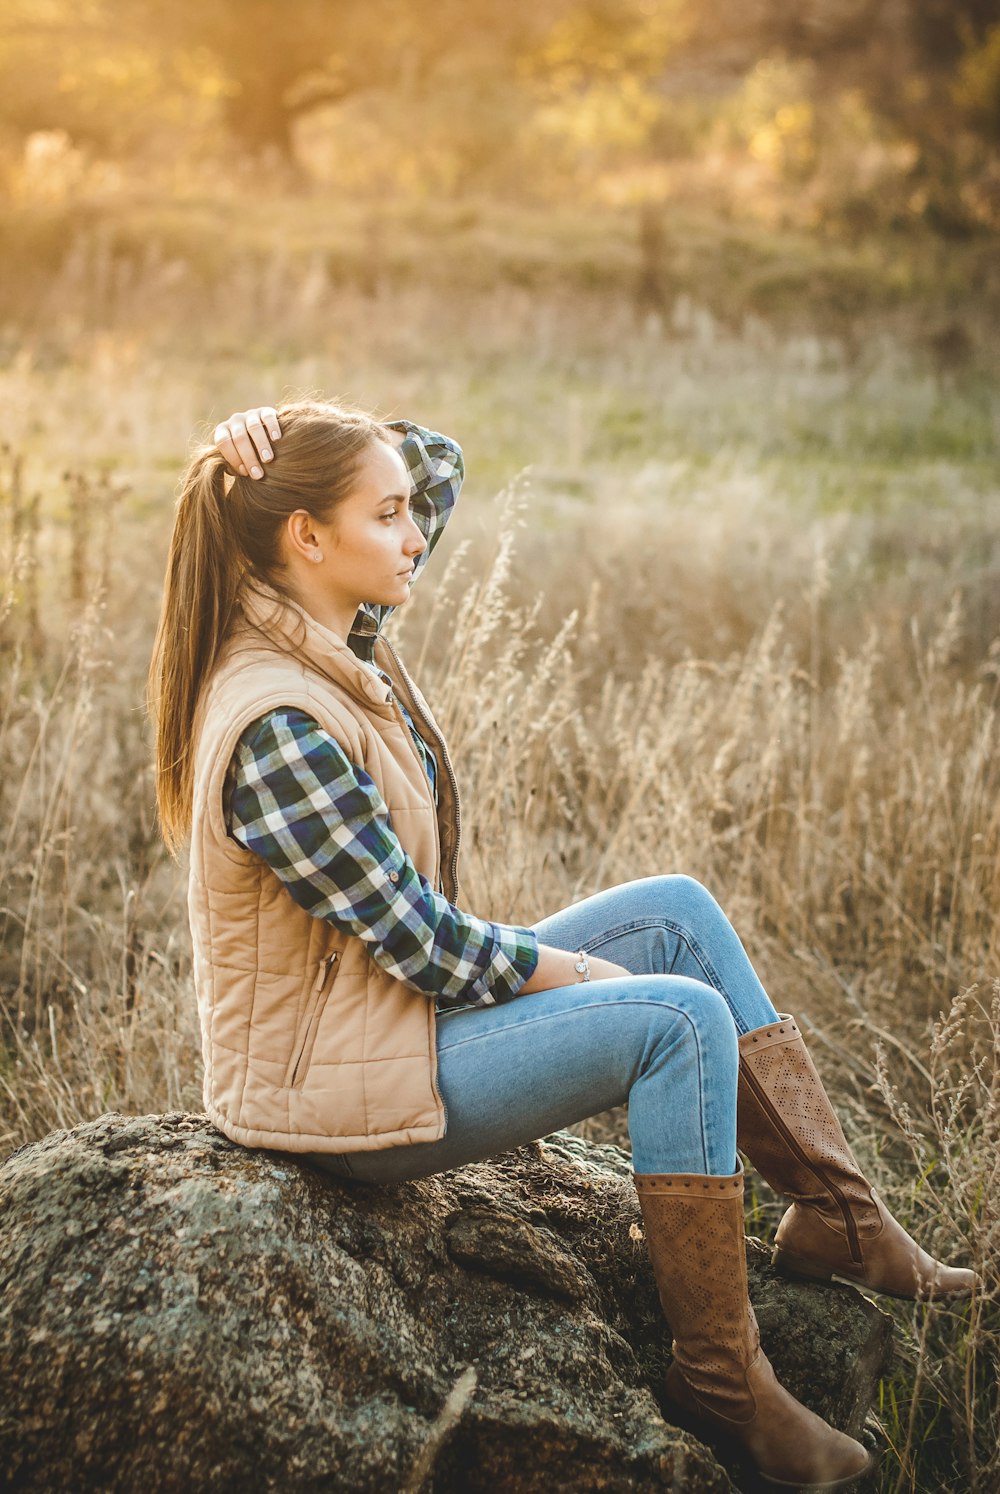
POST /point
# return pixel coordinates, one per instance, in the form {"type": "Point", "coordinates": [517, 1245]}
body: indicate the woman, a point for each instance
{"type": "Point", "coordinates": [350, 1010]}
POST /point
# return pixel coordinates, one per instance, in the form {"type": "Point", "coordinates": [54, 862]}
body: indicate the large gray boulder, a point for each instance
{"type": "Point", "coordinates": [180, 1314]}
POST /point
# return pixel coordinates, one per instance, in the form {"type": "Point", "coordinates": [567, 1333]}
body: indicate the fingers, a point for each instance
{"type": "Point", "coordinates": [269, 416]}
{"type": "Point", "coordinates": [244, 440]}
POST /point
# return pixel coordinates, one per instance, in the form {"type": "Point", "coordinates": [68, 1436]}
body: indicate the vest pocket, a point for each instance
{"type": "Point", "coordinates": [310, 1021]}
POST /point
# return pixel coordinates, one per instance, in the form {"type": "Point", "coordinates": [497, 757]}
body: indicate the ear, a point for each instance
{"type": "Point", "coordinates": [301, 534]}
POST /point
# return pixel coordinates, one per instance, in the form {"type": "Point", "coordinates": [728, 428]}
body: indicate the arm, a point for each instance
{"type": "Point", "coordinates": [557, 967]}
{"type": "Point", "coordinates": [437, 472]}
{"type": "Point", "coordinates": [321, 825]}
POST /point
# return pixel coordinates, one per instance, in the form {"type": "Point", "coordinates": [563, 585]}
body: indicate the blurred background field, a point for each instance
{"type": "Point", "coordinates": [710, 295]}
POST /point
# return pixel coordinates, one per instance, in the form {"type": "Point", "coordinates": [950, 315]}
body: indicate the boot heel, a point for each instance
{"type": "Point", "coordinates": [797, 1265]}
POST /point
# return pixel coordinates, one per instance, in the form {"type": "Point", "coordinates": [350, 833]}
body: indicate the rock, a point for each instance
{"type": "Point", "coordinates": [179, 1314]}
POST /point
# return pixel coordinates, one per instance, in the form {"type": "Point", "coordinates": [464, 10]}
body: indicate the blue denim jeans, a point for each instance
{"type": "Point", "coordinates": [663, 1039]}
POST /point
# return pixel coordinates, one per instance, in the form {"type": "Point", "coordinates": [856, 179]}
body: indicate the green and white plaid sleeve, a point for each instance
{"type": "Point", "coordinates": [321, 825]}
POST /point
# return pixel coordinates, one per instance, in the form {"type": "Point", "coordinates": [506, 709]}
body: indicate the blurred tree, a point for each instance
{"type": "Point", "coordinates": [99, 68]}
{"type": "Point", "coordinates": [977, 88]}
{"type": "Point", "coordinates": [68, 67]}
{"type": "Point", "coordinates": [599, 86]}
{"type": "Point", "coordinates": [906, 55]}
{"type": "Point", "coordinates": [929, 70]}
{"type": "Point", "coordinates": [272, 61]}
{"type": "Point", "coordinates": [278, 61]}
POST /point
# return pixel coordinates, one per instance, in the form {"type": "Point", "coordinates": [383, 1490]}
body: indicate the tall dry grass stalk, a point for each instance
{"type": "Point", "coordinates": [85, 964]}
{"type": "Point", "coordinates": [839, 797]}
{"type": "Point", "coordinates": [945, 1413]}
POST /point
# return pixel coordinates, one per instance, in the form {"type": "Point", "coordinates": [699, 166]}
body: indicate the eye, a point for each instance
{"type": "Point", "coordinates": [389, 514]}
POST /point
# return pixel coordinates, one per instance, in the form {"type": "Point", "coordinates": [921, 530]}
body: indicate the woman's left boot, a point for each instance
{"type": "Point", "coordinates": [837, 1224]}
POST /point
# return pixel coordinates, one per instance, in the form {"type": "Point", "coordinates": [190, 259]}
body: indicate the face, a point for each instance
{"type": "Point", "coordinates": [371, 543]}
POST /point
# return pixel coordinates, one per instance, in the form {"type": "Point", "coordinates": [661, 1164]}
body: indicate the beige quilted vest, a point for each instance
{"type": "Point", "coordinates": [308, 1045]}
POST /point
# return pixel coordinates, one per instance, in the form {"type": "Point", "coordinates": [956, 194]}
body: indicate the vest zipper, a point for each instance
{"type": "Point", "coordinates": [408, 683]}
{"type": "Point", "coordinates": [839, 1197]}
{"type": "Point", "coordinates": [321, 983]}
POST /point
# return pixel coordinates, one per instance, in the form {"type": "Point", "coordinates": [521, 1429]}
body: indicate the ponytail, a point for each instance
{"type": "Point", "coordinates": [224, 538]}
{"type": "Point", "coordinates": [204, 571]}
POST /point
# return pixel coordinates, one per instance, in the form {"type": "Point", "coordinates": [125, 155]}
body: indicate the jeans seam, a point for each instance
{"type": "Point", "coordinates": [623, 928]}
{"type": "Point", "coordinates": [701, 1098]}
{"type": "Point", "coordinates": [583, 1007]}
{"type": "Point", "coordinates": [712, 977]}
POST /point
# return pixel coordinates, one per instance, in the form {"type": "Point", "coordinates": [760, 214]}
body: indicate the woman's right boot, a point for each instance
{"type": "Point", "coordinates": [694, 1236]}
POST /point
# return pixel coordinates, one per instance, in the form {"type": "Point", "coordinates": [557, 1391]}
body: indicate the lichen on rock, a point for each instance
{"type": "Point", "coordinates": [179, 1313]}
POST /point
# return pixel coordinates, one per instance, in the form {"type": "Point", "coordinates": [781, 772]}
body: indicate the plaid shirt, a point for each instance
{"type": "Point", "coordinates": [319, 822]}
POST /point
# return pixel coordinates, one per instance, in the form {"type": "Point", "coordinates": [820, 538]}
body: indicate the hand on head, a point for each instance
{"type": "Point", "coordinates": [244, 440]}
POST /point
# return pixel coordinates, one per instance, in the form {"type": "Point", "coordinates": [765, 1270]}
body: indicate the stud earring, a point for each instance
{"type": "Point", "coordinates": [317, 555]}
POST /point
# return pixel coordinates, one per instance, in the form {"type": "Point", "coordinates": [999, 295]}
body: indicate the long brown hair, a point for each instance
{"type": "Point", "coordinates": [225, 536]}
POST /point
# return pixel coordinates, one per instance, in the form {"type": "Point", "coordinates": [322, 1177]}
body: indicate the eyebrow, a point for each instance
{"type": "Point", "coordinates": [392, 498]}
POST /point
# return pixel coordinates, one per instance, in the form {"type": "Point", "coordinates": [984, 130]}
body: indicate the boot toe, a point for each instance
{"type": "Point", "coordinates": [791, 1447]}
{"type": "Point", "coordinates": [802, 1450]}
{"type": "Point", "coordinates": [953, 1281]}
{"type": "Point", "coordinates": [809, 1243]}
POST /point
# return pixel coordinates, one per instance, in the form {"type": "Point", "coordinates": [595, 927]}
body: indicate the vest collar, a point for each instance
{"type": "Point", "coordinates": [286, 624]}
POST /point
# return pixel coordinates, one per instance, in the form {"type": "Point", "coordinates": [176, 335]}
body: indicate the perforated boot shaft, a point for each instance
{"type": "Point", "coordinates": [790, 1131]}
{"type": "Point", "coordinates": [694, 1235]}
{"type": "Point", "coordinates": [837, 1224]}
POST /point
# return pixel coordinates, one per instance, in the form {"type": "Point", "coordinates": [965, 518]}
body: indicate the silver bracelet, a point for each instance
{"type": "Point", "coordinates": [582, 965]}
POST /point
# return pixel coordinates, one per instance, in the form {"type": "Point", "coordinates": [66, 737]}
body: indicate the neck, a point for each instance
{"type": "Point", "coordinates": [334, 613]}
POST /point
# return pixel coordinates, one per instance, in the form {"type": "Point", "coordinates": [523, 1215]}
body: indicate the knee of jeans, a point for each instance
{"type": "Point", "coordinates": [680, 888]}
{"type": "Point", "coordinates": [688, 900]}
{"type": "Point", "coordinates": [711, 1022]}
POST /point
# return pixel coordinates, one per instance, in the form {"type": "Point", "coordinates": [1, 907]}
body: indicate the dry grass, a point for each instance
{"type": "Point", "coordinates": [683, 641]}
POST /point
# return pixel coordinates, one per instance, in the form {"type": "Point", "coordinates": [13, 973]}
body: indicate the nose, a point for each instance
{"type": "Point", "coordinates": [415, 543]}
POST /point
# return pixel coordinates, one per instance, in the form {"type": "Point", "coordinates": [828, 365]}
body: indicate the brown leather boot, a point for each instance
{"type": "Point", "coordinates": [694, 1235]}
{"type": "Point", "coordinates": [838, 1225]}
